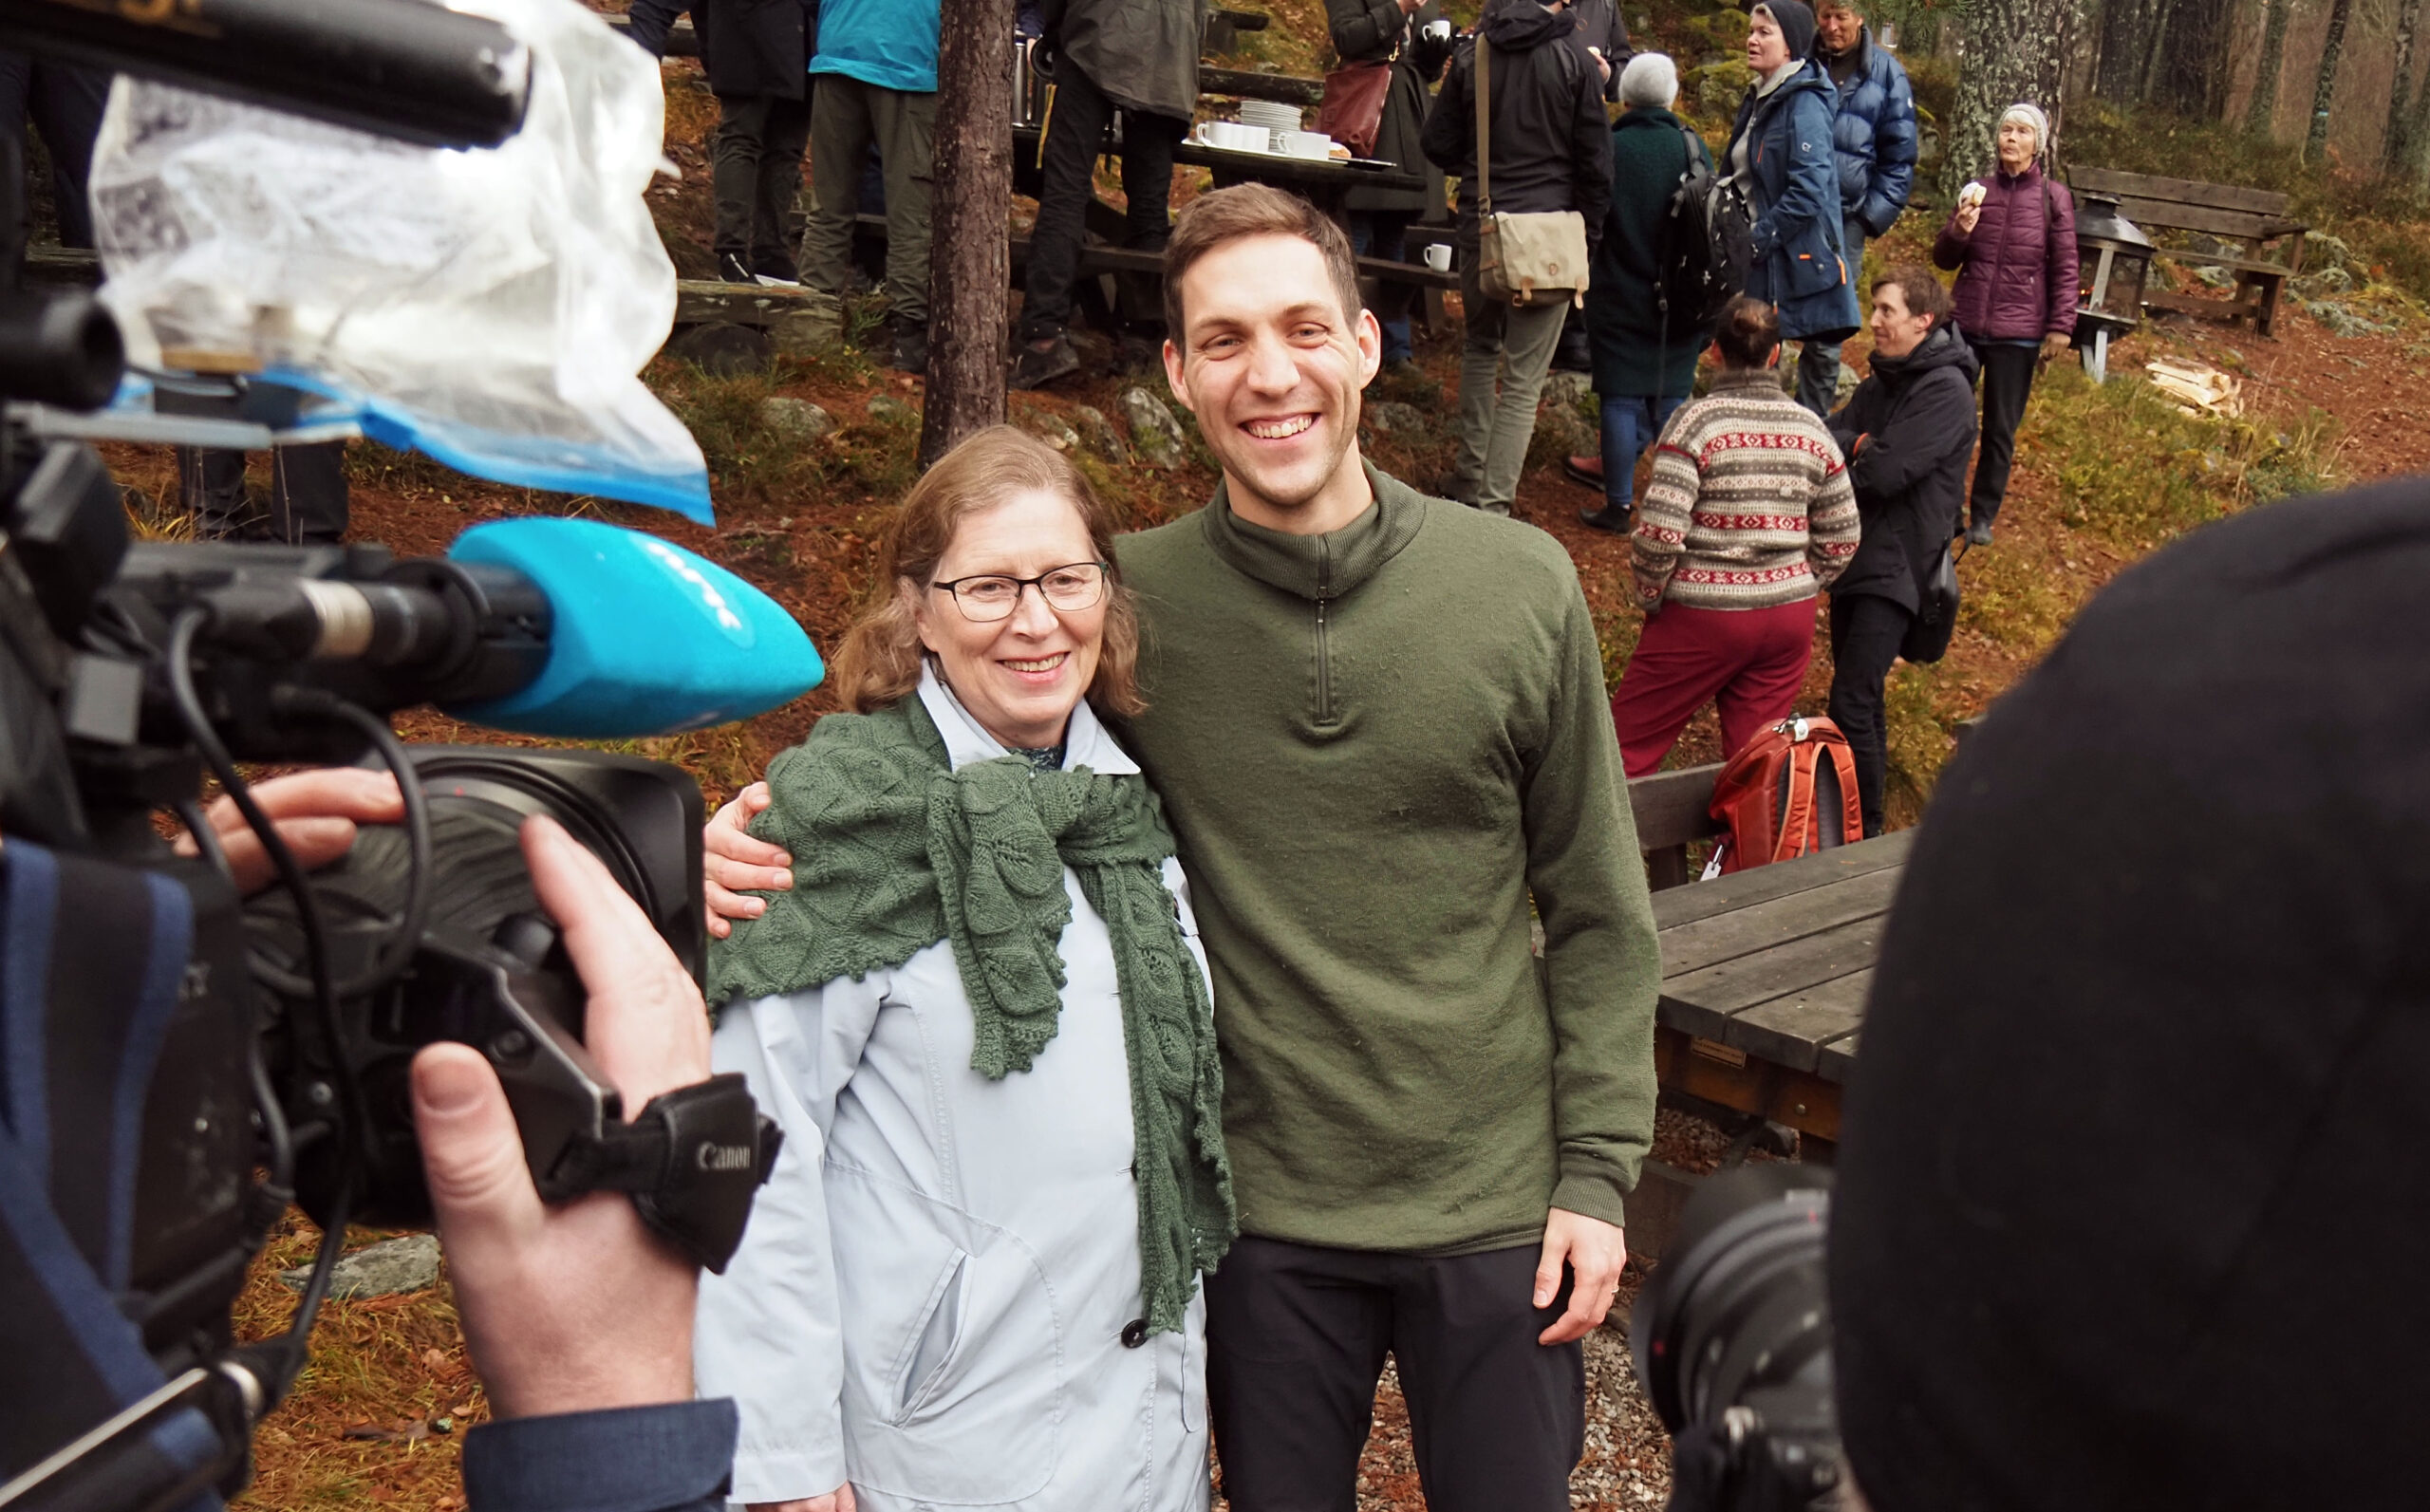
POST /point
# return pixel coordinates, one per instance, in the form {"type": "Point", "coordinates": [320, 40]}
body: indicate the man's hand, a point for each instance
{"type": "Point", "coordinates": [315, 812]}
{"type": "Point", "coordinates": [839, 1500]}
{"type": "Point", "coordinates": [1595, 1251]}
{"type": "Point", "coordinates": [2055, 345]}
{"type": "Point", "coordinates": [578, 1307]}
{"type": "Point", "coordinates": [1602, 62]}
{"type": "Point", "coordinates": [1409, 7]}
{"type": "Point", "coordinates": [733, 864]}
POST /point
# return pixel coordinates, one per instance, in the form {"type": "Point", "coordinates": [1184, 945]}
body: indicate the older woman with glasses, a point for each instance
{"type": "Point", "coordinates": [977, 1004]}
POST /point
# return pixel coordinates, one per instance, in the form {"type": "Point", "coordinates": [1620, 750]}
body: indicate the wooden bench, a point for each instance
{"type": "Point", "coordinates": [2270, 244]}
{"type": "Point", "coordinates": [1672, 811]}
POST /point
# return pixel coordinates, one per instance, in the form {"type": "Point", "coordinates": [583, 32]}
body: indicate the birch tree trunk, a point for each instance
{"type": "Point", "coordinates": [2014, 50]}
{"type": "Point", "coordinates": [2325, 85]}
{"type": "Point", "coordinates": [2261, 114]}
{"type": "Point", "coordinates": [970, 267]}
{"type": "Point", "coordinates": [2396, 152]}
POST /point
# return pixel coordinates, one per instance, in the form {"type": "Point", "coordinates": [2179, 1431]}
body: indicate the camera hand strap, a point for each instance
{"type": "Point", "coordinates": [692, 1161]}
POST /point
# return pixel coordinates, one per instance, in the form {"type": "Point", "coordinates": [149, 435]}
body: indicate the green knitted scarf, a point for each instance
{"type": "Point", "coordinates": [894, 850]}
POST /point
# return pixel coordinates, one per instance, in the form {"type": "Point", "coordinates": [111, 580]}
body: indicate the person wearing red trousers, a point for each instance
{"type": "Point", "coordinates": [1749, 514]}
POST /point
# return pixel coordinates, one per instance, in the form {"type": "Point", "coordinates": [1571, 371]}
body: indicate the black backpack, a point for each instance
{"type": "Point", "coordinates": [1708, 244]}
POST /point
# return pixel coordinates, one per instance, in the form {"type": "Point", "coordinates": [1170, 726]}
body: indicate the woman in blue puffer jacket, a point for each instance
{"type": "Point", "coordinates": [1781, 149]}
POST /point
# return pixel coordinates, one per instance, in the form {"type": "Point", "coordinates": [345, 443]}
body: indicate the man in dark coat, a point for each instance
{"type": "Point", "coordinates": [1139, 57]}
{"type": "Point", "coordinates": [757, 55]}
{"type": "Point", "coordinates": [1645, 362]}
{"type": "Point", "coordinates": [1604, 37]}
{"type": "Point", "coordinates": [1874, 139]}
{"type": "Point", "coordinates": [1906, 433]}
{"type": "Point", "coordinates": [1551, 151]}
{"type": "Point", "coordinates": [1394, 32]}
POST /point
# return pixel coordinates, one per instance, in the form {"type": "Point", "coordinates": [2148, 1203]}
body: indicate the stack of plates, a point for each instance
{"type": "Point", "coordinates": [1269, 114]}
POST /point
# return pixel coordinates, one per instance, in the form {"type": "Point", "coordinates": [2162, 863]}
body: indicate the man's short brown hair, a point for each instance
{"type": "Point", "coordinates": [1922, 292]}
{"type": "Point", "coordinates": [1254, 209]}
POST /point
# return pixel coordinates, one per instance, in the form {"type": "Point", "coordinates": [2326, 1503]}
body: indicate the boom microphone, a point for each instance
{"type": "Point", "coordinates": [560, 627]}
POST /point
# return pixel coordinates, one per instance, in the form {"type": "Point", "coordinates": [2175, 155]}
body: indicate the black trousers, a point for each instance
{"type": "Point", "coordinates": [307, 494]}
{"type": "Point", "coordinates": [65, 104]}
{"type": "Point", "coordinates": [1865, 634]}
{"type": "Point", "coordinates": [1296, 1339]}
{"type": "Point", "coordinates": [1074, 134]}
{"type": "Point", "coordinates": [756, 173]}
{"type": "Point", "coordinates": [2007, 380]}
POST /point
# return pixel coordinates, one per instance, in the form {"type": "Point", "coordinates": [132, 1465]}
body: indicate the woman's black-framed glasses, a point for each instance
{"type": "Point", "coordinates": [988, 597]}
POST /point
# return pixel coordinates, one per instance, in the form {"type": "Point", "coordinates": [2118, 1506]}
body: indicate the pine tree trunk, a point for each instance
{"type": "Point", "coordinates": [970, 270]}
{"type": "Point", "coordinates": [2396, 150]}
{"type": "Point", "coordinates": [2325, 85]}
{"type": "Point", "coordinates": [2262, 113]}
{"type": "Point", "coordinates": [2015, 50]}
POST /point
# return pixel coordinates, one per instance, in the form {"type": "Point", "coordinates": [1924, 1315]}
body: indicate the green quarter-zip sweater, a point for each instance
{"type": "Point", "coordinates": [1373, 747]}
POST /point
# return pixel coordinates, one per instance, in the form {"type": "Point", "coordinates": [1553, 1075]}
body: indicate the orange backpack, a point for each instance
{"type": "Point", "coordinates": [1791, 792]}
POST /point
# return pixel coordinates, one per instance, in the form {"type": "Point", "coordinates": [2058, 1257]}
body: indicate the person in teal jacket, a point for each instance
{"type": "Point", "coordinates": [1781, 148]}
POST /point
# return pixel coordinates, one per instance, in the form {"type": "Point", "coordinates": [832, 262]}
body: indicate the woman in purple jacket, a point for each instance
{"type": "Point", "coordinates": [2013, 242]}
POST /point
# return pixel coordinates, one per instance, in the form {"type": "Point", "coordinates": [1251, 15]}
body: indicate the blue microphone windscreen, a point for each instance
{"type": "Point", "coordinates": [649, 639]}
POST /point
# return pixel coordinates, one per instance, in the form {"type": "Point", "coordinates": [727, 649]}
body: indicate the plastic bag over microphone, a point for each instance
{"type": "Point", "coordinates": [491, 307]}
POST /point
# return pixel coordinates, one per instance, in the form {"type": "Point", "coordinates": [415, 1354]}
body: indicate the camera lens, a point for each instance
{"type": "Point", "coordinates": [1738, 1303]}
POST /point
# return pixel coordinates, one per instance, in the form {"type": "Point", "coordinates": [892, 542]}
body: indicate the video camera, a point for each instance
{"type": "Point", "coordinates": [178, 1064]}
{"type": "Point", "coordinates": [1732, 1341]}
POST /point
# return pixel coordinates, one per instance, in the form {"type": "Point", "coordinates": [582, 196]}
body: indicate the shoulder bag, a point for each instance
{"type": "Point", "coordinates": [1928, 633]}
{"type": "Point", "coordinates": [1352, 109]}
{"type": "Point", "coordinates": [1537, 258]}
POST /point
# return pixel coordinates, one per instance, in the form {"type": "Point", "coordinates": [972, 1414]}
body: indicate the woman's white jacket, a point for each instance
{"type": "Point", "coordinates": [932, 1295]}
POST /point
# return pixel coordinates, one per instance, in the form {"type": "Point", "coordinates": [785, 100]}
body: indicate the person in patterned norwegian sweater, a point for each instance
{"type": "Point", "coordinates": [1749, 514]}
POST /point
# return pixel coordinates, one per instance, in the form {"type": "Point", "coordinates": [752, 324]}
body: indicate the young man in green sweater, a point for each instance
{"type": "Point", "coordinates": [1378, 724]}
{"type": "Point", "coordinates": [1379, 727]}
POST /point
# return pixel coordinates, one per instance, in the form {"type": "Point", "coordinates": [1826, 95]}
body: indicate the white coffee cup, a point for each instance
{"type": "Point", "coordinates": [1438, 256]}
{"type": "Point", "coordinates": [1304, 143]}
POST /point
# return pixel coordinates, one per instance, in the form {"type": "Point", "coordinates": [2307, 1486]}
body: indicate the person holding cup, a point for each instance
{"type": "Point", "coordinates": [2012, 241]}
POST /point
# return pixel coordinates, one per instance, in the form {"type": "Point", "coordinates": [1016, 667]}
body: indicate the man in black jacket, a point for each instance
{"type": "Point", "coordinates": [756, 53]}
{"type": "Point", "coordinates": [1907, 434]}
{"type": "Point", "coordinates": [1551, 151]}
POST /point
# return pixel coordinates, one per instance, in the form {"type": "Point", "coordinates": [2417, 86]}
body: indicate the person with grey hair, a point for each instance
{"type": "Point", "coordinates": [1645, 362]}
{"type": "Point", "coordinates": [2012, 241]}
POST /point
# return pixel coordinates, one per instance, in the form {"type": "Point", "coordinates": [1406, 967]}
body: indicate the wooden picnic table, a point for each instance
{"type": "Point", "coordinates": [1765, 974]}
{"type": "Point", "coordinates": [1325, 183]}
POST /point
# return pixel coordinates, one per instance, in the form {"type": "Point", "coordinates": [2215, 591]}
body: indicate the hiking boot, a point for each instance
{"type": "Point", "coordinates": [777, 270]}
{"type": "Point", "coordinates": [733, 268]}
{"type": "Point", "coordinates": [1141, 356]}
{"type": "Point", "coordinates": [1979, 534]}
{"type": "Point", "coordinates": [1040, 363]}
{"type": "Point", "coordinates": [1584, 470]}
{"type": "Point", "coordinates": [1608, 518]}
{"type": "Point", "coordinates": [909, 352]}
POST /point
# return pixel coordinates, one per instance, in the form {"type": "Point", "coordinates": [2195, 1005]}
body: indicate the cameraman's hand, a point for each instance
{"type": "Point", "coordinates": [315, 812]}
{"type": "Point", "coordinates": [1595, 1251]}
{"type": "Point", "coordinates": [578, 1307]}
{"type": "Point", "coordinates": [733, 864]}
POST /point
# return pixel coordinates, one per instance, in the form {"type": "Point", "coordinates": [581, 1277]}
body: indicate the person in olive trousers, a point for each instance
{"type": "Point", "coordinates": [1394, 32]}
